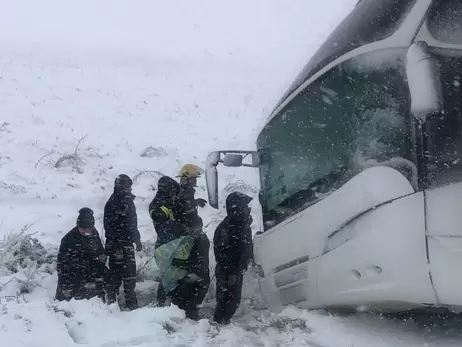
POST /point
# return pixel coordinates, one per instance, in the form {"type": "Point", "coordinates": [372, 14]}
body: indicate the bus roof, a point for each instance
{"type": "Point", "coordinates": [369, 21]}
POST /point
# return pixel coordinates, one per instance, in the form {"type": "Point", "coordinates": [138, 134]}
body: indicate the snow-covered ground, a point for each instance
{"type": "Point", "coordinates": [104, 81]}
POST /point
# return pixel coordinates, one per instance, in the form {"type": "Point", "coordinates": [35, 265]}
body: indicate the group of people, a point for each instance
{"type": "Point", "coordinates": [181, 249]}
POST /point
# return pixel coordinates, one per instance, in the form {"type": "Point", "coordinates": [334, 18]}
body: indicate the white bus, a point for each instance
{"type": "Point", "coordinates": [360, 166]}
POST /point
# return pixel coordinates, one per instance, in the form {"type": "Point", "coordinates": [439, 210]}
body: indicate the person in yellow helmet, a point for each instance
{"type": "Point", "coordinates": [189, 174]}
{"type": "Point", "coordinates": [193, 293]}
{"type": "Point", "coordinates": [187, 203]}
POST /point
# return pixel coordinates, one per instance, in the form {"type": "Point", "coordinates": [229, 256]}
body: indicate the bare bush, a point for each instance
{"type": "Point", "coordinates": [240, 186]}
{"type": "Point", "coordinates": [237, 186]}
{"type": "Point", "coordinates": [72, 160]}
{"type": "Point", "coordinates": [24, 257]}
{"type": "Point", "coordinates": [148, 269]}
{"type": "Point", "coordinates": [151, 173]}
{"type": "Point", "coordinates": [47, 157]}
{"type": "Point", "coordinates": [151, 152]}
{"type": "Point", "coordinates": [14, 188]}
{"type": "Point", "coordinates": [4, 127]}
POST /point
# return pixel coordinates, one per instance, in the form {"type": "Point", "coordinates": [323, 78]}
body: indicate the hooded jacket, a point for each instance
{"type": "Point", "coordinates": [232, 240]}
{"type": "Point", "coordinates": [161, 208]}
{"type": "Point", "coordinates": [199, 258]}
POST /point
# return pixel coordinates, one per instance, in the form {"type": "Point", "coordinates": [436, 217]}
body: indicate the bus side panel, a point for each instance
{"type": "Point", "coordinates": [278, 290]}
{"type": "Point", "coordinates": [306, 235]}
{"type": "Point", "coordinates": [384, 264]}
{"type": "Point", "coordinates": [444, 232]}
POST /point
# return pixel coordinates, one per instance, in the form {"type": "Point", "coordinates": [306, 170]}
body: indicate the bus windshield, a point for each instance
{"type": "Point", "coordinates": [355, 115]}
{"type": "Point", "coordinates": [443, 130]}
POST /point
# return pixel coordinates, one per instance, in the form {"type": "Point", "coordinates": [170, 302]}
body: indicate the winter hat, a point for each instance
{"type": "Point", "coordinates": [123, 182]}
{"type": "Point", "coordinates": [86, 218]}
{"type": "Point", "coordinates": [236, 203]}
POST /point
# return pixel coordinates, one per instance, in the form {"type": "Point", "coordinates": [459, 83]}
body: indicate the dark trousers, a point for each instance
{"type": "Point", "coordinates": [188, 296]}
{"type": "Point", "coordinates": [123, 270]}
{"type": "Point", "coordinates": [161, 294]}
{"type": "Point", "coordinates": [228, 297]}
{"type": "Point", "coordinates": [201, 290]}
{"type": "Point", "coordinates": [103, 280]}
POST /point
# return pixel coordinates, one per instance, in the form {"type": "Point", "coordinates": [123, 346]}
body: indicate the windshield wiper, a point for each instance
{"type": "Point", "coordinates": [310, 194]}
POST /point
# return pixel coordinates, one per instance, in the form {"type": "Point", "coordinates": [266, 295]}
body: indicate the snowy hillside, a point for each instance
{"type": "Point", "coordinates": [89, 90]}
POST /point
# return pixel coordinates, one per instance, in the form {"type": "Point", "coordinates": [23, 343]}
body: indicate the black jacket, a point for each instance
{"type": "Point", "coordinates": [186, 207]}
{"type": "Point", "coordinates": [120, 221]}
{"type": "Point", "coordinates": [199, 257]}
{"type": "Point", "coordinates": [168, 231]}
{"type": "Point", "coordinates": [76, 258]}
{"type": "Point", "coordinates": [232, 240]}
{"type": "Point", "coordinates": [161, 208]}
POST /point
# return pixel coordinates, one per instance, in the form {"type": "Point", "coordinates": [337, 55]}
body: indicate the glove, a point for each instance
{"type": "Point", "coordinates": [139, 246]}
{"type": "Point", "coordinates": [102, 258]}
{"type": "Point", "coordinates": [201, 202]}
{"type": "Point", "coordinates": [110, 249]}
{"type": "Point", "coordinates": [192, 277]}
{"type": "Point", "coordinates": [232, 280]}
{"type": "Point", "coordinates": [119, 254]}
{"type": "Point", "coordinates": [67, 293]}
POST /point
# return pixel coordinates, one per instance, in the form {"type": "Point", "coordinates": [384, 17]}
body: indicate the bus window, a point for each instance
{"type": "Point", "coordinates": [444, 130]}
{"type": "Point", "coordinates": [370, 21]}
{"type": "Point", "coordinates": [445, 20]}
{"type": "Point", "coordinates": [328, 133]}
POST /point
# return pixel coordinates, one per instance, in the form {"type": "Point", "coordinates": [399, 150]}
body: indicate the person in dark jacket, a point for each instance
{"type": "Point", "coordinates": [194, 291]}
{"type": "Point", "coordinates": [121, 231]}
{"type": "Point", "coordinates": [161, 210]}
{"type": "Point", "coordinates": [168, 232]}
{"type": "Point", "coordinates": [186, 202]}
{"type": "Point", "coordinates": [162, 207]}
{"type": "Point", "coordinates": [82, 273]}
{"type": "Point", "coordinates": [233, 252]}
{"type": "Point", "coordinates": [191, 290]}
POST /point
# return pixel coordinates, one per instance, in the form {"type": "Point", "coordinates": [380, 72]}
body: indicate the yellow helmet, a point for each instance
{"type": "Point", "coordinates": [191, 171]}
{"type": "Point", "coordinates": [189, 174]}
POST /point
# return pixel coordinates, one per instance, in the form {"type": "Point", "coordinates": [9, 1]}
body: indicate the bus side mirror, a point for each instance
{"type": "Point", "coordinates": [211, 178]}
{"type": "Point", "coordinates": [237, 160]}
{"type": "Point", "coordinates": [232, 160]}
{"type": "Point", "coordinates": [423, 79]}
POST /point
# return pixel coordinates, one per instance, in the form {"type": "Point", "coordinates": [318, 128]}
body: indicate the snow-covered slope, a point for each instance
{"type": "Point", "coordinates": [104, 81]}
